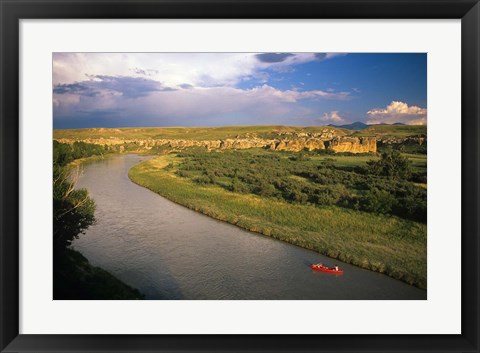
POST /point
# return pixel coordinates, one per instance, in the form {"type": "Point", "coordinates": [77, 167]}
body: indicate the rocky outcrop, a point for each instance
{"type": "Point", "coordinates": [244, 143]}
{"type": "Point", "coordinates": [352, 144]}
{"type": "Point", "coordinates": [287, 142]}
{"type": "Point", "coordinates": [325, 134]}
{"type": "Point", "coordinates": [310, 144]}
{"type": "Point", "coordinates": [413, 140]}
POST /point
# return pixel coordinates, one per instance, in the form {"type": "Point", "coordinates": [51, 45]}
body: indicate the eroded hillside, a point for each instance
{"type": "Point", "coordinates": [278, 138]}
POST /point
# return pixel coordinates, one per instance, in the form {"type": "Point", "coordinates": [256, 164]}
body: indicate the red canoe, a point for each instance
{"type": "Point", "coordinates": [322, 268]}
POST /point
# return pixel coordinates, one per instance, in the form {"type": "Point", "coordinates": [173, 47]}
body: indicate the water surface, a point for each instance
{"type": "Point", "coordinates": [170, 252]}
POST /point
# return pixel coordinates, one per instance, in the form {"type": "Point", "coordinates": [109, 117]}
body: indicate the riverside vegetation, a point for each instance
{"type": "Point", "coordinates": [367, 209]}
{"type": "Point", "coordinates": [344, 218]}
{"type": "Point", "coordinates": [73, 212]}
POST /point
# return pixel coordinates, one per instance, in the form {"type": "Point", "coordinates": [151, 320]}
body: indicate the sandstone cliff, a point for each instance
{"type": "Point", "coordinates": [326, 139]}
{"type": "Point", "coordinates": [353, 144]}
{"type": "Point", "coordinates": [310, 144]}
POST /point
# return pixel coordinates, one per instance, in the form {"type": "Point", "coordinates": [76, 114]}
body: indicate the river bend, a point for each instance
{"type": "Point", "coordinates": [168, 251]}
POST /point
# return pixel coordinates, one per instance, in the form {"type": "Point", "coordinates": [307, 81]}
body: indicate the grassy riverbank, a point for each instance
{"type": "Point", "coordinates": [382, 243]}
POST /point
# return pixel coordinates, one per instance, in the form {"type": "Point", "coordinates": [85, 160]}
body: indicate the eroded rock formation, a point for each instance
{"type": "Point", "coordinates": [353, 144]}
{"type": "Point", "coordinates": [285, 142]}
{"type": "Point", "coordinates": [414, 140]}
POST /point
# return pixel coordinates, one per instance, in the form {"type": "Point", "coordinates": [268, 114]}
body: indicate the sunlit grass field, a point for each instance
{"type": "Point", "coordinates": [397, 131]}
{"type": "Point", "coordinates": [194, 133]}
{"type": "Point", "coordinates": [418, 161]}
{"type": "Point", "coordinates": [214, 133]}
{"type": "Point", "coordinates": [382, 243]}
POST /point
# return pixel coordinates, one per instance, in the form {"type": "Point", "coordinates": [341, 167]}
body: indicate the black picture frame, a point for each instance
{"type": "Point", "coordinates": [12, 11]}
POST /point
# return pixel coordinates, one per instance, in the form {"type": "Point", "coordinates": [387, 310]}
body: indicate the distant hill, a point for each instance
{"type": "Point", "coordinates": [358, 125]}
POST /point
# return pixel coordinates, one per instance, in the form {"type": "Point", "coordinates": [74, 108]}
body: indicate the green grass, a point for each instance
{"type": "Point", "coordinates": [346, 161]}
{"type": "Point", "coordinates": [392, 131]}
{"type": "Point", "coordinates": [419, 161]}
{"type": "Point", "coordinates": [384, 244]}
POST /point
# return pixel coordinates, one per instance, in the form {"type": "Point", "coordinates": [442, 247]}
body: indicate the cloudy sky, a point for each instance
{"type": "Point", "coordinates": [218, 89]}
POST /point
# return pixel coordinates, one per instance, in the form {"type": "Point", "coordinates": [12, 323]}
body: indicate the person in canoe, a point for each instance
{"type": "Point", "coordinates": [323, 268]}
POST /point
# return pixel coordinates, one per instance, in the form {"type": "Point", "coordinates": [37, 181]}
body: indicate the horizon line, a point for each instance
{"type": "Point", "coordinates": [223, 126]}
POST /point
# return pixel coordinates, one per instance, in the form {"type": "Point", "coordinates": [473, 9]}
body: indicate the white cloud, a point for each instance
{"type": "Point", "coordinates": [192, 104]}
{"type": "Point", "coordinates": [332, 117]}
{"type": "Point", "coordinates": [398, 112]}
{"type": "Point", "coordinates": [178, 88]}
{"type": "Point", "coordinates": [266, 91]}
{"type": "Point", "coordinates": [172, 69]}
{"type": "Point", "coordinates": [197, 69]}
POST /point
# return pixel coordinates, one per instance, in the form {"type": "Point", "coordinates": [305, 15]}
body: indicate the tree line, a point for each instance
{"type": "Point", "coordinates": [73, 209]}
{"type": "Point", "coordinates": [64, 153]}
{"type": "Point", "coordinates": [73, 212]}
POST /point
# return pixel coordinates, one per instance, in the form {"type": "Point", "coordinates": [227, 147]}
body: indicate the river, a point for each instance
{"type": "Point", "coordinates": [170, 252]}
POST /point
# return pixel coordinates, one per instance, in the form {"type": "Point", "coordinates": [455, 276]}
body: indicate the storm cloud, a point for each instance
{"type": "Point", "coordinates": [129, 87]}
{"type": "Point", "coordinates": [273, 57]}
{"type": "Point", "coordinates": [320, 56]}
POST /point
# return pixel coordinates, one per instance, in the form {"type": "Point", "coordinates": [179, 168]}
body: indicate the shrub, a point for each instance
{"type": "Point", "coordinates": [392, 165]}
{"type": "Point", "coordinates": [203, 180]}
{"type": "Point", "coordinates": [377, 201]}
{"type": "Point", "coordinates": [238, 186]}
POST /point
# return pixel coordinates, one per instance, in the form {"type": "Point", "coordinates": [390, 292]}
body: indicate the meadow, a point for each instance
{"type": "Point", "coordinates": [189, 133]}
{"type": "Point", "coordinates": [343, 181]}
{"type": "Point", "coordinates": [392, 131]}
{"type": "Point", "coordinates": [216, 133]}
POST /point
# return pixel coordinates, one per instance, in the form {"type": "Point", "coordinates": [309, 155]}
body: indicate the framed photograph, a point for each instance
{"type": "Point", "coordinates": [236, 176]}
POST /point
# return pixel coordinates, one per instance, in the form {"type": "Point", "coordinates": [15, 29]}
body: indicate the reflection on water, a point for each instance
{"type": "Point", "coordinates": [170, 252]}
